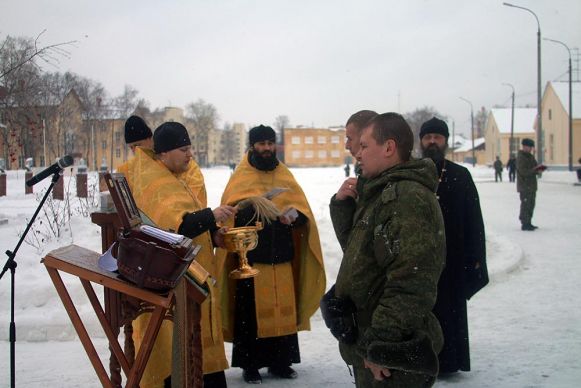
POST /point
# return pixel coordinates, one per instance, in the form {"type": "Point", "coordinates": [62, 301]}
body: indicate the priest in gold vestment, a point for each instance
{"type": "Point", "coordinates": [262, 315]}
{"type": "Point", "coordinates": [169, 189]}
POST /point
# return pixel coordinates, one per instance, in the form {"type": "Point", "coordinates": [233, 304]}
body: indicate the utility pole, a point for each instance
{"type": "Point", "coordinates": [472, 129]}
{"type": "Point", "coordinates": [511, 145]}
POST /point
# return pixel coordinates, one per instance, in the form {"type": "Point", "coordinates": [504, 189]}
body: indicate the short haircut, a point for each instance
{"type": "Point", "coordinates": [360, 119]}
{"type": "Point", "coordinates": [393, 126]}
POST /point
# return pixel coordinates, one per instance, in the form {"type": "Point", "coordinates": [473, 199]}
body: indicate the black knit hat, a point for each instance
{"type": "Point", "coordinates": [169, 136]}
{"type": "Point", "coordinates": [136, 129]}
{"type": "Point", "coordinates": [261, 133]}
{"type": "Point", "coordinates": [434, 125]}
{"type": "Point", "coordinates": [528, 142]}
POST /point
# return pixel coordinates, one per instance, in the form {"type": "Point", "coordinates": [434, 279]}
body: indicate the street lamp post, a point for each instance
{"type": "Point", "coordinates": [539, 111]}
{"type": "Point", "coordinates": [471, 129]}
{"type": "Point", "coordinates": [511, 146]}
{"type": "Point", "coordinates": [570, 103]}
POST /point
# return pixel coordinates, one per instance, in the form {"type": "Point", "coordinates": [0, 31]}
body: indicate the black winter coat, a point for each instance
{"type": "Point", "coordinates": [466, 250]}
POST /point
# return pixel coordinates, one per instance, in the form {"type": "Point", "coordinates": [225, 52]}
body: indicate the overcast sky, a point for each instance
{"type": "Point", "coordinates": [314, 61]}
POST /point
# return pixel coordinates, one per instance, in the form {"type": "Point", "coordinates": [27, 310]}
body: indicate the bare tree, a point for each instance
{"type": "Point", "coordinates": [33, 53]}
{"type": "Point", "coordinates": [20, 83]}
{"type": "Point", "coordinates": [280, 123]}
{"type": "Point", "coordinates": [142, 109]}
{"type": "Point", "coordinates": [419, 116]}
{"type": "Point", "coordinates": [204, 117]}
{"type": "Point", "coordinates": [126, 102]}
{"type": "Point", "coordinates": [229, 143]}
{"type": "Point", "coordinates": [480, 122]}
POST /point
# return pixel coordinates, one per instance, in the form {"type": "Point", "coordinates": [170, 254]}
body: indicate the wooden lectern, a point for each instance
{"type": "Point", "coordinates": [82, 263]}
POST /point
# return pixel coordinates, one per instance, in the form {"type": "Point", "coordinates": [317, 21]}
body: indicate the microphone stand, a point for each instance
{"type": "Point", "coordinates": [11, 265]}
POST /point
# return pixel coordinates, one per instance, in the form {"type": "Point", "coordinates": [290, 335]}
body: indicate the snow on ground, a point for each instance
{"type": "Point", "coordinates": [525, 326]}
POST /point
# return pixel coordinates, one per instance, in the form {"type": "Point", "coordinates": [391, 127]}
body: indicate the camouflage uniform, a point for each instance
{"type": "Point", "coordinates": [498, 170]}
{"type": "Point", "coordinates": [526, 185]}
{"type": "Point", "coordinates": [394, 250]}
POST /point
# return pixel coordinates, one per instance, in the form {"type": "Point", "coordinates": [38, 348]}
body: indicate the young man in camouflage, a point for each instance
{"type": "Point", "coordinates": [527, 169]}
{"type": "Point", "coordinates": [392, 233]}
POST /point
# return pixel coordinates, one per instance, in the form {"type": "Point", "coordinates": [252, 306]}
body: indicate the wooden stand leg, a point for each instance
{"type": "Point", "coordinates": [80, 328]}
{"type": "Point", "coordinates": [111, 336]}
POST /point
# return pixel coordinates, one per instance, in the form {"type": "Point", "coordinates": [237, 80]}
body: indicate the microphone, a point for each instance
{"type": "Point", "coordinates": [63, 162]}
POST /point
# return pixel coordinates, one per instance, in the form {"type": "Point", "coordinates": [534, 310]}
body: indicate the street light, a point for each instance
{"type": "Point", "coordinates": [570, 103]}
{"type": "Point", "coordinates": [539, 112]}
{"type": "Point", "coordinates": [511, 146]}
{"type": "Point", "coordinates": [472, 129]}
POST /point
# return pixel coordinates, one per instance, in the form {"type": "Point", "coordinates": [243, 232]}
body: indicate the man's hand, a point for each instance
{"type": "Point", "coordinates": [222, 213]}
{"type": "Point", "coordinates": [218, 237]}
{"type": "Point", "coordinates": [347, 189]}
{"type": "Point", "coordinates": [379, 372]}
{"type": "Point", "coordinates": [288, 216]}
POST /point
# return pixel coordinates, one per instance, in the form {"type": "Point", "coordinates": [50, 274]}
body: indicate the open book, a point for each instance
{"type": "Point", "coordinates": [168, 237]}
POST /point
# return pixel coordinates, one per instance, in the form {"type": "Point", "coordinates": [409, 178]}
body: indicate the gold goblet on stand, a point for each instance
{"type": "Point", "coordinates": [241, 240]}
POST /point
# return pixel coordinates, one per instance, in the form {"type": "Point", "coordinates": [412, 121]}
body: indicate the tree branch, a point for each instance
{"type": "Point", "coordinates": [39, 52]}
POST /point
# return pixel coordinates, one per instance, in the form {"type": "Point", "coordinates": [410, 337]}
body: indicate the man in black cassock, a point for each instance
{"type": "Point", "coordinates": [465, 272]}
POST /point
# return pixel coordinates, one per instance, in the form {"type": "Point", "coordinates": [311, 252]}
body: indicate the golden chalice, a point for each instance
{"type": "Point", "coordinates": [242, 240]}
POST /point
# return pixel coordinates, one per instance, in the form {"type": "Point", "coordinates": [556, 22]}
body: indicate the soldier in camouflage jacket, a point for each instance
{"type": "Point", "coordinates": [527, 170]}
{"type": "Point", "coordinates": [392, 234]}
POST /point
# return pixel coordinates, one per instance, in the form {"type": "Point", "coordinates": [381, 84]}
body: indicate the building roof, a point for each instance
{"type": "Point", "coordinates": [524, 119]}
{"type": "Point", "coordinates": [467, 146]}
{"type": "Point", "coordinates": [562, 91]}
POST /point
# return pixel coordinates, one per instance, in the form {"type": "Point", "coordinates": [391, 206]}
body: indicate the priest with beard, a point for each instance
{"type": "Point", "coordinates": [465, 272]}
{"type": "Point", "coordinates": [262, 315]}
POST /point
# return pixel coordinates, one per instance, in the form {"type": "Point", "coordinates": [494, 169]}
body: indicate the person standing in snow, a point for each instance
{"type": "Point", "coordinates": [165, 191]}
{"type": "Point", "coordinates": [465, 272]}
{"type": "Point", "coordinates": [262, 315]}
{"type": "Point", "coordinates": [527, 170]}
{"type": "Point", "coordinates": [392, 234]}
{"type": "Point", "coordinates": [511, 167]}
{"type": "Point", "coordinates": [498, 169]}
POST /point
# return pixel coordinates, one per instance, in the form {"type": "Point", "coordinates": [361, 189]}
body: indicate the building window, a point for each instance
{"type": "Point", "coordinates": [322, 139]}
{"type": "Point", "coordinates": [118, 153]}
{"type": "Point", "coordinates": [308, 140]}
{"type": "Point", "coordinates": [551, 145]}
{"type": "Point", "coordinates": [335, 139]}
{"type": "Point", "coordinates": [335, 154]}
{"type": "Point", "coordinates": [117, 136]}
{"type": "Point", "coordinates": [309, 154]}
{"type": "Point", "coordinates": [104, 145]}
{"type": "Point", "coordinates": [323, 154]}
{"type": "Point", "coordinates": [550, 114]}
{"type": "Point", "coordinates": [296, 140]}
{"type": "Point", "coordinates": [296, 154]}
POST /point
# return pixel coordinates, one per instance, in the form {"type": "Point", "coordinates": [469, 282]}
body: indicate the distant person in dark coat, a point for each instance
{"type": "Point", "coordinates": [527, 170]}
{"type": "Point", "coordinates": [511, 167]}
{"type": "Point", "coordinates": [465, 272]}
{"type": "Point", "coordinates": [498, 169]}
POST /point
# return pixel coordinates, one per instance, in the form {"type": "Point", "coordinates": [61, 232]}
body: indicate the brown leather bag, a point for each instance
{"type": "Point", "coordinates": [150, 264]}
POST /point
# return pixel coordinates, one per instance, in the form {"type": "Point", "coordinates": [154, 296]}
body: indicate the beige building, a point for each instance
{"type": "Point", "coordinates": [314, 147]}
{"type": "Point", "coordinates": [498, 127]}
{"type": "Point", "coordinates": [555, 113]}
{"type": "Point", "coordinates": [462, 151]}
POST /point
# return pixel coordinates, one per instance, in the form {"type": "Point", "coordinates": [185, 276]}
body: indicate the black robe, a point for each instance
{"type": "Point", "coordinates": [466, 249]}
{"type": "Point", "coordinates": [275, 246]}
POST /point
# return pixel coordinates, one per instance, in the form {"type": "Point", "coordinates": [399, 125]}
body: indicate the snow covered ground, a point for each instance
{"type": "Point", "coordinates": [525, 326]}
